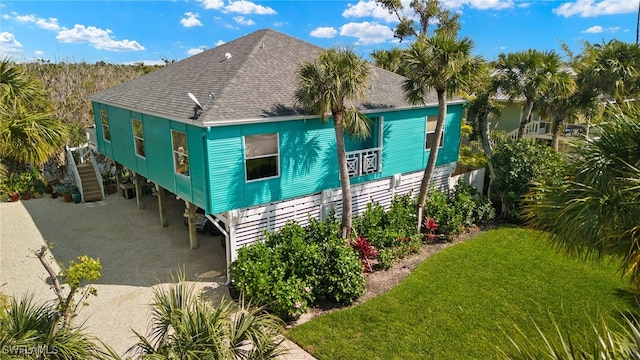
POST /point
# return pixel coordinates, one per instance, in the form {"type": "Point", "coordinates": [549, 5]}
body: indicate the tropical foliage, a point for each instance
{"type": "Point", "coordinates": [326, 86]}
{"type": "Point", "coordinates": [187, 326]}
{"type": "Point", "coordinates": [527, 75]}
{"type": "Point", "coordinates": [594, 212]}
{"type": "Point", "coordinates": [442, 63]}
{"type": "Point", "coordinates": [297, 266]}
{"type": "Point", "coordinates": [30, 331]}
{"type": "Point", "coordinates": [29, 133]}
{"type": "Point", "coordinates": [518, 163]}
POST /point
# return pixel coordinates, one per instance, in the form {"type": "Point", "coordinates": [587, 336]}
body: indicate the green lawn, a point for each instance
{"type": "Point", "coordinates": [462, 302]}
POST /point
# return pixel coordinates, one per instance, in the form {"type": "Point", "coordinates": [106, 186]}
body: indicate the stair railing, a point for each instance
{"type": "Point", "coordinates": [71, 164]}
{"type": "Point", "coordinates": [94, 164]}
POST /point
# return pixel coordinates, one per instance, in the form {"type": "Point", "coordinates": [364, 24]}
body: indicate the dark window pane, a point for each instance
{"type": "Point", "coordinates": [262, 167]}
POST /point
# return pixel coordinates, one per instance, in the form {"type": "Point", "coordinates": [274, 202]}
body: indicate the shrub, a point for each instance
{"type": "Point", "coordinates": [367, 252]}
{"type": "Point", "coordinates": [517, 164]}
{"type": "Point", "coordinates": [383, 228]}
{"type": "Point", "coordinates": [439, 208]}
{"type": "Point", "coordinates": [458, 209]}
{"type": "Point", "coordinates": [386, 258]}
{"type": "Point", "coordinates": [296, 266]}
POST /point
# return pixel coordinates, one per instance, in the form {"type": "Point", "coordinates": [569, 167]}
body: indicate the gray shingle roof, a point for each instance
{"type": "Point", "coordinates": [257, 83]}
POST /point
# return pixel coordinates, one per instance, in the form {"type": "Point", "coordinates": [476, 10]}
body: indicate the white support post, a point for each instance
{"type": "Point", "coordinates": [230, 238]}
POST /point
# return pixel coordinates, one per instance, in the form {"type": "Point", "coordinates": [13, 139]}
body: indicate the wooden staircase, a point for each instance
{"type": "Point", "coordinates": [90, 186]}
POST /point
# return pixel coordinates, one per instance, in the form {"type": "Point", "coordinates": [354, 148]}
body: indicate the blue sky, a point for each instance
{"type": "Point", "coordinates": [133, 31]}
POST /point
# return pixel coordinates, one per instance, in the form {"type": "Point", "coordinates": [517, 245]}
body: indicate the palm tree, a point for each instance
{"type": "Point", "coordinates": [324, 87]}
{"type": "Point", "coordinates": [28, 331]}
{"type": "Point", "coordinates": [527, 74]}
{"type": "Point", "coordinates": [28, 131]}
{"type": "Point", "coordinates": [186, 326]}
{"type": "Point", "coordinates": [481, 111]}
{"type": "Point", "coordinates": [594, 213]}
{"type": "Point", "coordinates": [561, 103]}
{"type": "Point", "coordinates": [391, 60]}
{"type": "Point", "coordinates": [442, 63]}
{"type": "Point", "coordinates": [612, 69]}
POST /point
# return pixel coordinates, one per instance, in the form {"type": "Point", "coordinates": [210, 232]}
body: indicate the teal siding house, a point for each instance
{"type": "Point", "coordinates": [222, 131]}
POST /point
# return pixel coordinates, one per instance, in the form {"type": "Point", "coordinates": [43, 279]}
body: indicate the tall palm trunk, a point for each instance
{"type": "Point", "coordinates": [526, 114]}
{"type": "Point", "coordinates": [555, 140]}
{"type": "Point", "coordinates": [433, 155]}
{"type": "Point", "coordinates": [344, 176]}
{"type": "Point", "coordinates": [485, 140]}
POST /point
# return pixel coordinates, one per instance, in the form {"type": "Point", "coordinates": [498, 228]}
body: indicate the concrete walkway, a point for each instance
{"type": "Point", "coordinates": [135, 251]}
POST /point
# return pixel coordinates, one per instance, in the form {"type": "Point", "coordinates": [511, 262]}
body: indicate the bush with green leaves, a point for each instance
{"type": "Point", "coordinates": [383, 228]}
{"type": "Point", "coordinates": [296, 266]}
{"type": "Point", "coordinates": [458, 208]}
{"type": "Point", "coordinates": [519, 163]}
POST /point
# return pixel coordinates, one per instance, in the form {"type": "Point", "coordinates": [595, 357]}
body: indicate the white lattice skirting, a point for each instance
{"type": "Point", "coordinates": [251, 222]}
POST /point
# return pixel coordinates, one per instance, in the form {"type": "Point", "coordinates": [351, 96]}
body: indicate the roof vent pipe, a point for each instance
{"type": "Point", "coordinates": [227, 56]}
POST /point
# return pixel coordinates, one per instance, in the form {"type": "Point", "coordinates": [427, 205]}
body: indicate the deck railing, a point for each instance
{"type": "Point", "coordinates": [363, 162]}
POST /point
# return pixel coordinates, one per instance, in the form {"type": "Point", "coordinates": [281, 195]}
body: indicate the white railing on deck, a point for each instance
{"type": "Point", "coordinates": [531, 129]}
{"type": "Point", "coordinates": [71, 164]}
{"type": "Point", "coordinates": [363, 162]}
{"type": "Point", "coordinates": [85, 153]}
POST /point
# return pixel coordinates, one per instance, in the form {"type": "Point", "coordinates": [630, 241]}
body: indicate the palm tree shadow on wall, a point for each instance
{"type": "Point", "coordinates": [331, 177]}
{"type": "Point", "coordinates": [299, 152]}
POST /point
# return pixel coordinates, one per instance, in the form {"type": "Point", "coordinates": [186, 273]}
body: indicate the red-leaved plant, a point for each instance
{"type": "Point", "coordinates": [430, 227]}
{"type": "Point", "coordinates": [367, 252]}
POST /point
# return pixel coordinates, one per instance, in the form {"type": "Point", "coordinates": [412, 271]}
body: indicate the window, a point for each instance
{"type": "Point", "coordinates": [138, 137]}
{"type": "Point", "coordinates": [261, 156]}
{"type": "Point", "coordinates": [180, 152]}
{"type": "Point", "coordinates": [106, 134]}
{"type": "Point", "coordinates": [431, 132]}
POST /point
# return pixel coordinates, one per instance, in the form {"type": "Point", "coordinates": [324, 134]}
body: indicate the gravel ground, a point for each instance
{"type": "Point", "coordinates": [135, 251]}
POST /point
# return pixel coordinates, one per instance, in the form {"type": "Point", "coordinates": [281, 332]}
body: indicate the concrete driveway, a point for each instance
{"type": "Point", "coordinates": [135, 251]}
{"type": "Point", "coordinates": [136, 254]}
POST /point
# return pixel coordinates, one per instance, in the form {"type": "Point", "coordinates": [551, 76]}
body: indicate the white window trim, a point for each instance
{"type": "Point", "coordinates": [426, 133]}
{"type": "Point", "coordinates": [108, 125]}
{"type": "Point", "coordinates": [175, 154]}
{"type": "Point", "coordinates": [135, 144]}
{"type": "Point", "coordinates": [244, 150]}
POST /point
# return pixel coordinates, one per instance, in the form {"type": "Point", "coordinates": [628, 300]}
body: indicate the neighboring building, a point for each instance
{"type": "Point", "coordinates": [509, 120]}
{"type": "Point", "coordinates": [537, 128]}
{"type": "Point", "coordinates": [248, 155]}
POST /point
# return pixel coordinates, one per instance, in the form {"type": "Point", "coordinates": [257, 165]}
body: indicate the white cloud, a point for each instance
{"type": "Point", "coordinates": [478, 4]}
{"type": "Point", "coordinates": [190, 20]}
{"type": "Point", "coordinates": [240, 20]}
{"type": "Point", "coordinates": [367, 33]}
{"type": "Point", "coordinates": [38, 53]}
{"type": "Point", "coordinates": [324, 32]}
{"type": "Point", "coordinates": [247, 7]}
{"type": "Point", "coordinates": [599, 29]}
{"type": "Point", "coordinates": [50, 24]}
{"type": "Point", "coordinates": [99, 38]}
{"type": "Point", "coordinates": [212, 4]}
{"type": "Point", "coordinates": [591, 8]}
{"type": "Point", "coordinates": [369, 8]}
{"type": "Point", "coordinates": [196, 51]}
{"type": "Point", "coordinates": [593, 30]}
{"type": "Point", "coordinates": [220, 42]}
{"type": "Point", "coordinates": [9, 45]}
{"type": "Point", "coordinates": [279, 23]}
